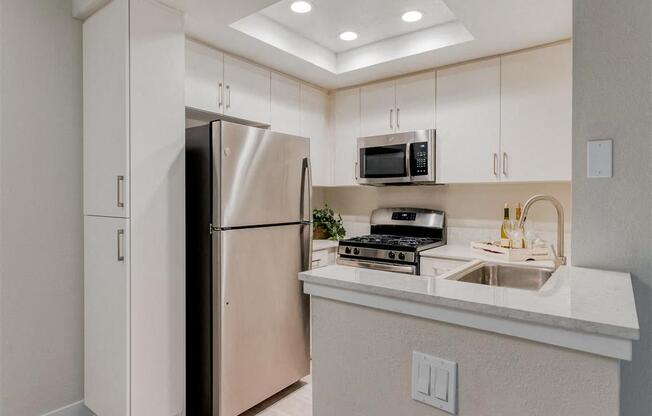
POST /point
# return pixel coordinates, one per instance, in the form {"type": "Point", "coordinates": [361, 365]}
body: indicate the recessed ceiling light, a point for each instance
{"type": "Point", "coordinates": [348, 36]}
{"type": "Point", "coordinates": [301, 7]}
{"type": "Point", "coordinates": [412, 16]}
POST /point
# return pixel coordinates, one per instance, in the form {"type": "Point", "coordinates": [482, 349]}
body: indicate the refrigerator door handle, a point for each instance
{"type": "Point", "coordinates": [306, 179]}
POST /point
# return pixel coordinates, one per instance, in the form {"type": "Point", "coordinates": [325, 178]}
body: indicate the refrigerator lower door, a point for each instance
{"type": "Point", "coordinates": [263, 323]}
{"type": "Point", "coordinates": [258, 175]}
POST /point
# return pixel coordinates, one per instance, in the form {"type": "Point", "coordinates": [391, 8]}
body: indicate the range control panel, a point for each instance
{"type": "Point", "coordinates": [404, 216]}
{"type": "Point", "coordinates": [419, 158]}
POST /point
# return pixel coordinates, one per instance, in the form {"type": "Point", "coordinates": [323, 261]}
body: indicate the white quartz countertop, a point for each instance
{"type": "Point", "coordinates": [324, 244]}
{"type": "Point", "coordinates": [465, 252]}
{"type": "Point", "coordinates": [574, 298]}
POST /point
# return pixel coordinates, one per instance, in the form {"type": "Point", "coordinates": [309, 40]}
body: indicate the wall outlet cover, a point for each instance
{"type": "Point", "coordinates": [600, 158]}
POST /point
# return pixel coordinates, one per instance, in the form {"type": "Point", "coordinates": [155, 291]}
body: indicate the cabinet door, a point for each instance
{"type": "Point", "coordinates": [247, 90]}
{"type": "Point", "coordinates": [314, 124]}
{"type": "Point", "coordinates": [536, 114]}
{"type": "Point", "coordinates": [347, 130]}
{"type": "Point", "coordinates": [286, 105]}
{"type": "Point", "coordinates": [468, 122]}
{"type": "Point", "coordinates": [106, 315]}
{"type": "Point", "coordinates": [415, 102]}
{"type": "Point", "coordinates": [377, 109]}
{"type": "Point", "coordinates": [106, 111]}
{"type": "Point", "coordinates": [203, 79]}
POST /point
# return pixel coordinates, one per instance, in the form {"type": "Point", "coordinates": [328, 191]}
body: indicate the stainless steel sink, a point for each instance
{"type": "Point", "coordinates": [518, 277]}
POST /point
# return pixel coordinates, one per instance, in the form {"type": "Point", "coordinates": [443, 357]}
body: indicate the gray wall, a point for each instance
{"type": "Point", "coordinates": [612, 218]}
{"type": "Point", "coordinates": [40, 207]}
{"type": "Point", "coordinates": [362, 361]}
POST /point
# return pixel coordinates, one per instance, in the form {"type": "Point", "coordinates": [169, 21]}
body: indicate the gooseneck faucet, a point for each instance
{"type": "Point", "coordinates": [560, 257]}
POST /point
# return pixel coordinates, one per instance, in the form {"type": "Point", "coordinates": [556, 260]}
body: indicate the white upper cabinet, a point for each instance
{"type": "Point", "coordinates": [286, 105]}
{"type": "Point", "coordinates": [415, 102]}
{"type": "Point", "coordinates": [106, 112]}
{"type": "Point", "coordinates": [204, 77]}
{"type": "Point", "coordinates": [347, 130]}
{"type": "Point", "coordinates": [222, 84]}
{"type": "Point", "coordinates": [401, 105]}
{"type": "Point", "coordinates": [468, 123]}
{"type": "Point", "coordinates": [247, 90]}
{"type": "Point", "coordinates": [536, 114]}
{"type": "Point", "coordinates": [314, 124]}
{"type": "Point", "coordinates": [377, 109]}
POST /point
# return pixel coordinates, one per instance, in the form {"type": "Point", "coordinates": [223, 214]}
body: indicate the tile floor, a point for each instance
{"type": "Point", "coordinates": [295, 400]}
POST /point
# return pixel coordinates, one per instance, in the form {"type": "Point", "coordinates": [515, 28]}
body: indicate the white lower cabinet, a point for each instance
{"type": "Point", "coordinates": [323, 258]}
{"type": "Point", "coordinates": [347, 130]}
{"type": "Point", "coordinates": [106, 315]}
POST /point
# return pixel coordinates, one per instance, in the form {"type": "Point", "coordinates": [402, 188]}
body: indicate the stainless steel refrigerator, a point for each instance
{"type": "Point", "coordinates": [249, 234]}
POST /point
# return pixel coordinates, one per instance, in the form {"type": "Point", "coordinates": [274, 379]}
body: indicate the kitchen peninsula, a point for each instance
{"type": "Point", "coordinates": [555, 350]}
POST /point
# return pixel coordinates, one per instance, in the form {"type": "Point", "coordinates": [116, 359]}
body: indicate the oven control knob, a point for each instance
{"type": "Point", "coordinates": [401, 256]}
{"type": "Point", "coordinates": [347, 250]}
{"type": "Point", "coordinates": [356, 251]}
{"type": "Point", "coordinates": [391, 255]}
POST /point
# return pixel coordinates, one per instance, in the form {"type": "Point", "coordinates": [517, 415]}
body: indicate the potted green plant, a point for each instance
{"type": "Point", "coordinates": [327, 225]}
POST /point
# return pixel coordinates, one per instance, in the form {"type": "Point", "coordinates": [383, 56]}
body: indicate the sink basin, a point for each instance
{"type": "Point", "coordinates": [517, 277]}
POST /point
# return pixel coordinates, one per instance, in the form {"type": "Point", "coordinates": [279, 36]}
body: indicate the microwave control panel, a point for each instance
{"type": "Point", "coordinates": [419, 158]}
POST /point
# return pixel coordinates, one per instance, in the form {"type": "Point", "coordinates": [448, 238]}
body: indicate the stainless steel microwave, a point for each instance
{"type": "Point", "coordinates": [399, 159]}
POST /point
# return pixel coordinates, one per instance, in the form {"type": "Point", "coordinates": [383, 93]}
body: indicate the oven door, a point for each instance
{"type": "Point", "coordinates": [376, 265]}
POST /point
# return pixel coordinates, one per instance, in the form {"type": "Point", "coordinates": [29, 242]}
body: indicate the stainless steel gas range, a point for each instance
{"type": "Point", "coordinates": [397, 237]}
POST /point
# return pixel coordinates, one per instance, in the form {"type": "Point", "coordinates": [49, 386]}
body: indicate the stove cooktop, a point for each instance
{"type": "Point", "coordinates": [392, 242]}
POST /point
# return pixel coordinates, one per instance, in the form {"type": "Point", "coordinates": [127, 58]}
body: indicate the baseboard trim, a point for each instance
{"type": "Point", "coordinates": [73, 409]}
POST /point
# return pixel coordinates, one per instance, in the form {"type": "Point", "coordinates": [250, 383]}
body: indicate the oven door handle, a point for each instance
{"type": "Point", "coordinates": [377, 265]}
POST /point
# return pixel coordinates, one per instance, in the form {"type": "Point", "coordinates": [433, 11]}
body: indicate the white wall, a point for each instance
{"type": "Point", "coordinates": [40, 207]}
{"type": "Point", "coordinates": [612, 218]}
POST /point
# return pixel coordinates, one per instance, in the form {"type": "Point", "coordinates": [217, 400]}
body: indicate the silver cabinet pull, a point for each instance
{"type": "Point", "coordinates": [505, 163]}
{"type": "Point", "coordinates": [219, 98]}
{"type": "Point", "coordinates": [355, 171]}
{"type": "Point", "coordinates": [228, 96]}
{"type": "Point", "coordinates": [495, 164]}
{"type": "Point", "coordinates": [121, 244]}
{"type": "Point", "coordinates": [398, 118]}
{"type": "Point", "coordinates": [391, 119]}
{"type": "Point", "coordinates": [120, 191]}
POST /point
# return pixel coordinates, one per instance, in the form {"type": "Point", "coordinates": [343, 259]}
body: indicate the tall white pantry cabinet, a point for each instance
{"type": "Point", "coordinates": [134, 232]}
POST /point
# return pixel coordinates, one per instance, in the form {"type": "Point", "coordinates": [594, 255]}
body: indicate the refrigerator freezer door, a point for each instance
{"type": "Point", "coordinates": [264, 334]}
{"type": "Point", "coordinates": [258, 176]}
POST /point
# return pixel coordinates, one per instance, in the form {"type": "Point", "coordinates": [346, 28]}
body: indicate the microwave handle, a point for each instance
{"type": "Point", "coordinates": [408, 159]}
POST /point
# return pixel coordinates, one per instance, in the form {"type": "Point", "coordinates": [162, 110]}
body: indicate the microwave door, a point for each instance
{"type": "Point", "coordinates": [384, 164]}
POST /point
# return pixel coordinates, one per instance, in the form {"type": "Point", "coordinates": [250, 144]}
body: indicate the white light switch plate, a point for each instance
{"type": "Point", "coordinates": [599, 158]}
{"type": "Point", "coordinates": [440, 390]}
